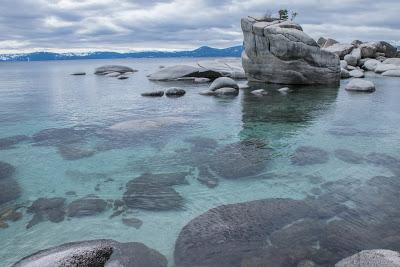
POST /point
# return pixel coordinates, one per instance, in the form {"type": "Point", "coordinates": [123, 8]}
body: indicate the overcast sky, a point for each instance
{"type": "Point", "coordinates": [121, 25]}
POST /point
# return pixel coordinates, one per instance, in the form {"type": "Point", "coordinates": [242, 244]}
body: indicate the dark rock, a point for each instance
{"type": "Point", "coordinates": [73, 152]}
{"type": "Point", "coordinates": [6, 170]}
{"type": "Point", "coordinates": [61, 136]}
{"type": "Point", "coordinates": [307, 155]}
{"type": "Point", "coordinates": [96, 253]}
{"type": "Point", "coordinates": [162, 179]}
{"type": "Point", "coordinates": [175, 92]}
{"type": "Point", "coordinates": [78, 73]}
{"type": "Point", "coordinates": [86, 206]}
{"type": "Point", "coordinates": [200, 143]}
{"type": "Point", "coordinates": [349, 156]}
{"type": "Point", "coordinates": [10, 142]}
{"type": "Point", "coordinates": [241, 159]}
{"type": "Point", "coordinates": [226, 235]}
{"type": "Point", "coordinates": [132, 222]}
{"type": "Point", "coordinates": [382, 159]}
{"type": "Point", "coordinates": [153, 94]}
{"type": "Point", "coordinates": [9, 190]}
{"type": "Point", "coordinates": [118, 203]}
{"type": "Point", "coordinates": [150, 196]}
{"type": "Point", "coordinates": [70, 193]}
{"type": "Point", "coordinates": [123, 77]}
{"type": "Point", "coordinates": [206, 177]}
{"type": "Point", "coordinates": [51, 209]}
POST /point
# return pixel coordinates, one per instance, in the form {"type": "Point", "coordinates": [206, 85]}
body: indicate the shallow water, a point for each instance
{"type": "Point", "coordinates": [36, 96]}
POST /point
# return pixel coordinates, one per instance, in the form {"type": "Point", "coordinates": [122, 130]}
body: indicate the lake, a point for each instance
{"type": "Point", "coordinates": [218, 150]}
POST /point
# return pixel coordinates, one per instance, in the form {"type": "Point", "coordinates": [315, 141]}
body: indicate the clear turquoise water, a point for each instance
{"type": "Point", "coordinates": [40, 95]}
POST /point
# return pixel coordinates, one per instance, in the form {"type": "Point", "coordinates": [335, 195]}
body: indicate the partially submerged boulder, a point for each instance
{"type": "Point", "coordinates": [280, 52]}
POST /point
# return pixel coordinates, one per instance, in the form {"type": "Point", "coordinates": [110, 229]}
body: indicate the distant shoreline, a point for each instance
{"type": "Point", "coordinates": [203, 51]}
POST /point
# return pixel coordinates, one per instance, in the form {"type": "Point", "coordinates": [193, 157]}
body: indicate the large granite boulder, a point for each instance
{"type": "Point", "coordinates": [107, 69]}
{"type": "Point", "coordinates": [101, 252]}
{"type": "Point", "coordinates": [360, 85]}
{"type": "Point", "coordinates": [279, 51]}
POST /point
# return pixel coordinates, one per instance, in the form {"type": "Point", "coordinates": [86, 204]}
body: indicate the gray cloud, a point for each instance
{"type": "Point", "coordinates": [74, 25]}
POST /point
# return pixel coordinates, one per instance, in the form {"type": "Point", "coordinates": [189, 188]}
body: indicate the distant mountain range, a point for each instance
{"type": "Point", "coordinates": [204, 51]}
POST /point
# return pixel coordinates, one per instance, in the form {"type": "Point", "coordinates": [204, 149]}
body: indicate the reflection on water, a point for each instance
{"type": "Point", "coordinates": [277, 180]}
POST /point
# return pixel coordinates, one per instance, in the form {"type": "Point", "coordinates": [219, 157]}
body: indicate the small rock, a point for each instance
{"type": "Point", "coordinates": [360, 85]}
{"type": "Point", "coordinates": [356, 74]}
{"type": "Point", "coordinates": [86, 206]}
{"type": "Point", "coordinates": [132, 222]}
{"type": "Point", "coordinates": [371, 64]}
{"type": "Point", "coordinates": [175, 92]}
{"type": "Point", "coordinates": [259, 92]}
{"type": "Point", "coordinates": [153, 94]}
{"type": "Point", "coordinates": [284, 90]}
{"type": "Point", "coordinates": [78, 73]}
{"type": "Point", "coordinates": [123, 77]}
{"type": "Point", "coordinates": [356, 43]}
{"type": "Point", "coordinates": [329, 42]}
{"type": "Point", "coordinates": [343, 64]}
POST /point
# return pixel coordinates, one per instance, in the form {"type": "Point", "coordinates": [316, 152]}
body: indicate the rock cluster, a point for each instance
{"type": "Point", "coordinates": [278, 51]}
{"type": "Point", "coordinates": [380, 57]}
{"type": "Point", "coordinates": [201, 71]}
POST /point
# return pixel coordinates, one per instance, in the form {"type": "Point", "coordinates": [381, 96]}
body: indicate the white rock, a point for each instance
{"type": "Point", "coordinates": [113, 68]}
{"type": "Point", "coordinates": [351, 60]}
{"type": "Point", "coordinates": [343, 64]}
{"type": "Point", "coordinates": [357, 74]}
{"type": "Point", "coordinates": [392, 73]}
{"type": "Point", "coordinates": [372, 258]}
{"type": "Point", "coordinates": [113, 74]}
{"type": "Point", "coordinates": [371, 64]}
{"type": "Point", "coordinates": [223, 82]}
{"type": "Point", "coordinates": [385, 67]}
{"type": "Point", "coordinates": [207, 92]}
{"type": "Point", "coordinates": [349, 67]}
{"type": "Point", "coordinates": [394, 61]}
{"type": "Point", "coordinates": [201, 80]}
{"type": "Point", "coordinates": [360, 85]}
{"type": "Point", "coordinates": [284, 90]}
{"type": "Point", "coordinates": [340, 49]}
{"type": "Point", "coordinates": [259, 92]}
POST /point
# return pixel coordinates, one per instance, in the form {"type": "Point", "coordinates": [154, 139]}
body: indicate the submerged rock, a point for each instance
{"type": "Point", "coordinates": [153, 94]}
{"type": "Point", "coordinates": [96, 253]}
{"type": "Point", "coordinates": [155, 192]}
{"type": "Point", "coordinates": [349, 156]}
{"type": "Point", "coordinates": [87, 206]}
{"type": "Point", "coordinates": [113, 68]}
{"type": "Point", "coordinates": [47, 209]}
{"type": "Point", "coordinates": [372, 258]}
{"type": "Point", "coordinates": [226, 235]}
{"type": "Point", "coordinates": [308, 155]}
{"type": "Point", "coordinates": [241, 159]}
{"type": "Point", "coordinates": [280, 52]}
{"type": "Point", "coordinates": [132, 222]}
{"type": "Point", "coordinates": [150, 124]}
{"type": "Point", "coordinates": [360, 85]}
{"type": "Point", "coordinates": [10, 142]}
{"type": "Point", "coordinates": [74, 152]}
{"type": "Point", "coordinates": [206, 177]}
{"type": "Point", "coordinates": [61, 136]}
{"type": "Point", "coordinates": [9, 187]}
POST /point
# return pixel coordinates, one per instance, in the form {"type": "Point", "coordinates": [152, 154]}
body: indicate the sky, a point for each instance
{"type": "Point", "coordinates": [137, 25]}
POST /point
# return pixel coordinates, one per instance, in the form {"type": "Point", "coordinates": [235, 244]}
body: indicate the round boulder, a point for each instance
{"type": "Point", "coordinates": [392, 73]}
{"type": "Point", "coordinates": [356, 73]}
{"type": "Point", "coordinates": [113, 68]}
{"type": "Point", "coordinates": [360, 85]}
{"type": "Point", "coordinates": [223, 82]}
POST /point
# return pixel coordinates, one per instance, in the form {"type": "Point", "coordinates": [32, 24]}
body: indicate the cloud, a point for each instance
{"type": "Point", "coordinates": [75, 25]}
